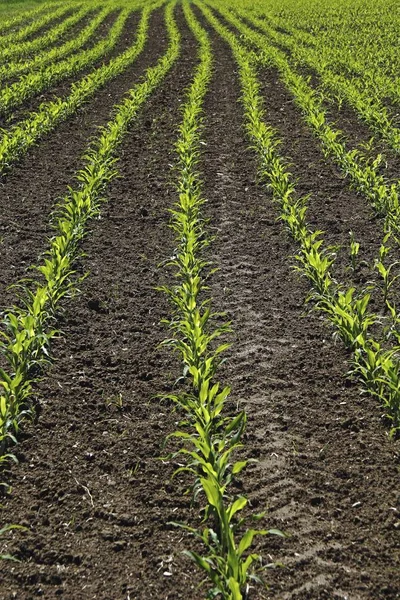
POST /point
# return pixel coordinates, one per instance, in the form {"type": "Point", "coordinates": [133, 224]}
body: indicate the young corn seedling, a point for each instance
{"type": "Point", "coordinates": [385, 272]}
{"type": "Point", "coordinates": [362, 170]}
{"type": "Point", "coordinates": [215, 437]}
{"type": "Point", "coordinates": [315, 264]}
{"type": "Point", "coordinates": [24, 344]}
{"type": "Point", "coordinates": [368, 365]}
{"type": "Point", "coordinates": [350, 317]}
{"type": "Point", "coordinates": [225, 564]}
{"type": "Point", "coordinates": [393, 328]}
{"type": "Point", "coordinates": [388, 389]}
{"type": "Point", "coordinates": [230, 570]}
{"type": "Point", "coordinates": [379, 369]}
{"type": "Point", "coordinates": [293, 214]}
{"type": "Point", "coordinates": [4, 530]}
{"type": "Point", "coordinates": [354, 250]}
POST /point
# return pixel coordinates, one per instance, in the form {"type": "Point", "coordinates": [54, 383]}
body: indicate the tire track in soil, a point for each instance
{"type": "Point", "coordinates": [29, 192]}
{"type": "Point", "coordinates": [90, 486]}
{"type": "Point", "coordinates": [327, 473]}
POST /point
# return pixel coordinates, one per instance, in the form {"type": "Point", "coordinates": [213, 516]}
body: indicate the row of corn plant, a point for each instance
{"type": "Point", "coordinates": [16, 141]}
{"type": "Point", "coordinates": [363, 173]}
{"type": "Point", "coordinates": [41, 59]}
{"type": "Point", "coordinates": [23, 17]}
{"type": "Point", "coordinates": [365, 37]}
{"type": "Point", "coordinates": [13, 45]}
{"type": "Point", "coordinates": [355, 39]}
{"type": "Point", "coordinates": [14, 95]}
{"type": "Point", "coordinates": [377, 367]}
{"type": "Point", "coordinates": [355, 92]}
{"type": "Point", "coordinates": [27, 329]}
{"type": "Point", "coordinates": [281, 24]}
{"type": "Point", "coordinates": [209, 438]}
{"type": "Point", "coordinates": [335, 55]}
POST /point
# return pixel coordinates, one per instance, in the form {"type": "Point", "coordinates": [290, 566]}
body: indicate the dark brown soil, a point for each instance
{"type": "Point", "coordinates": [90, 487]}
{"type": "Point", "coordinates": [6, 28]}
{"type": "Point", "coordinates": [333, 207]}
{"type": "Point", "coordinates": [100, 503]}
{"type": "Point", "coordinates": [68, 36]}
{"type": "Point", "coordinates": [356, 131]}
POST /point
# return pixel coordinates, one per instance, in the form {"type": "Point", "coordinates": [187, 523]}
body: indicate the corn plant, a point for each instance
{"type": "Point", "coordinates": [354, 250]}
{"type": "Point", "coordinates": [362, 171]}
{"type": "Point", "coordinates": [41, 59]}
{"type": "Point", "coordinates": [379, 370]}
{"type": "Point", "coordinates": [315, 263]}
{"type": "Point", "coordinates": [23, 16]}
{"type": "Point", "coordinates": [230, 570]}
{"type": "Point", "coordinates": [385, 273]}
{"type": "Point", "coordinates": [16, 45]}
{"type": "Point", "coordinates": [350, 317]}
{"type": "Point", "coordinates": [4, 530]}
{"type": "Point", "coordinates": [34, 82]}
{"type": "Point", "coordinates": [365, 101]}
{"type": "Point", "coordinates": [392, 328]}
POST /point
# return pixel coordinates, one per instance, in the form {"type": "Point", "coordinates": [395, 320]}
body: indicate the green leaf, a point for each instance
{"type": "Point", "coordinates": [246, 541]}
{"type": "Point", "coordinates": [238, 505]}
{"type": "Point", "coordinates": [273, 532]}
{"type": "Point", "coordinates": [201, 562]}
{"type": "Point", "coordinates": [9, 527]}
{"type": "Point", "coordinates": [235, 423]}
{"type": "Point", "coordinates": [212, 492]}
{"type": "Point", "coordinates": [4, 376]}
{"type": "Point", "coordinates": [9, 557]}
{"type": "Point", "coordinates": [247, 538]}
{"type": "Point", "coordinates": [239, 466]}
{"type": "Point", "coordinates": [235, 589]}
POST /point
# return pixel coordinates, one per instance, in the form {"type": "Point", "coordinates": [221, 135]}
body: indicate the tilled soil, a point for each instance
{"type": "Point", "coordinates": [356, 133]}
{"type": "Point", "coordinates": [334, 208]}
{"type": "Point", "coordinates": [49, 25]}
{"type": "Point", "coordinates": [91, 488]}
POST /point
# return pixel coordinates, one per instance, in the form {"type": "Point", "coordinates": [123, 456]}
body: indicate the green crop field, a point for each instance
{"type": "Point", "coordinates": [200, 299]}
